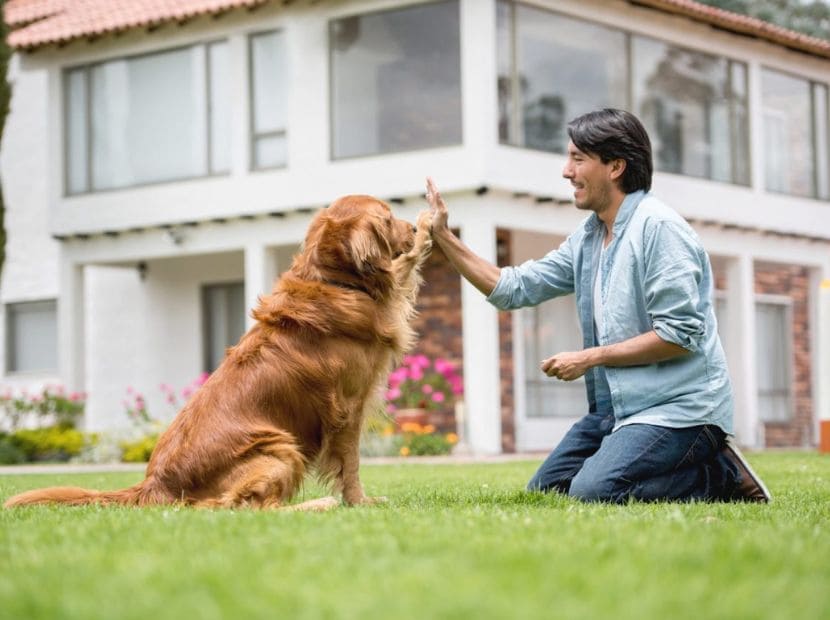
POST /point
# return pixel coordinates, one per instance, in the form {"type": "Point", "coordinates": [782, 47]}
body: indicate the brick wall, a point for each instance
{"type": "Point", "coordinates": [439, 329]}
{"type": "Point", "coordinates": [439, 322]}
{"type": "Point", "coordinates": [508, 427]}
{"type": "Point", "coordinates": [792, 281]}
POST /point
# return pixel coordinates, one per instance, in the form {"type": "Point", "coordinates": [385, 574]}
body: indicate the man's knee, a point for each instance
{"type": "Point", "coordinates": [596, 489]}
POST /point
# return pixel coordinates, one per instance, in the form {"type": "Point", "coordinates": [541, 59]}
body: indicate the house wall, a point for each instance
{"type": "Point", "coordinates": [130, 324]}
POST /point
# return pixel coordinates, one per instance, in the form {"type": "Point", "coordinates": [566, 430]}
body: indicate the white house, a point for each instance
{"type": "Point", "coordinates": [163, 159]}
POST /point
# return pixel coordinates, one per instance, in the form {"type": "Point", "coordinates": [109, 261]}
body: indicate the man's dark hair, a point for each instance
{"type": "Point", "coordinates": [616, 134]}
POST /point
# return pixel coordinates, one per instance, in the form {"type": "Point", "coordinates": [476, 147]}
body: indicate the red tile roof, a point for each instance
{"type": "Point", "coordinates": [741, 24]}
{"type": "Point", "coordinates": [36, 23]}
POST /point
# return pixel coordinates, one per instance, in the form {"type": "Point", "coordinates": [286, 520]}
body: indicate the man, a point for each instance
{"type": "Point", "coordinates": [660, 400]}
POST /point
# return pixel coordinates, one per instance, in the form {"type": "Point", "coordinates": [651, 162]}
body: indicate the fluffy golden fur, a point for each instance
{"type": "Point", "coordinates": [292, 395]}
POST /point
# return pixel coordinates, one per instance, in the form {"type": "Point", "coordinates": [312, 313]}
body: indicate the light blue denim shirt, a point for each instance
{"type": "Point", "coordinates": [656, 276]}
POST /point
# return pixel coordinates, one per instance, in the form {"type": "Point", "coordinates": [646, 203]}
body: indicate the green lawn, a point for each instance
{"type": "Point", "coordinates": [455, 541]}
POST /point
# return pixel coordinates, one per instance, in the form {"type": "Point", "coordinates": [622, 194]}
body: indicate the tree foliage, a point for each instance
{"type": "Point", "coordinates": [810, 17]}
{"type": "Point", "coordinates": [5, 98]}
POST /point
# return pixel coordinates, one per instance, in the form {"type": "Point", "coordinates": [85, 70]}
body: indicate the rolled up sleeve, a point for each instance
{"type": "Point", "coordinates": [535, 281]}
{"type": "Point", "coordinates": [673, 273]}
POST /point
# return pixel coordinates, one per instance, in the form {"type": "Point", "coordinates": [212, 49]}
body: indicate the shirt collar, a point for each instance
{"type": "Point", "coordinates": [627, 208]}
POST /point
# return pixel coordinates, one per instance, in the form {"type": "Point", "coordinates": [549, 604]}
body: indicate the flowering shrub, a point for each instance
{"type": "Point", "coordinates": [422, 383]}
{"type": "Point", "coordinates": [41, 426]}
{"type": "Point", "coordinates": [52, 405]}
{"type": "Point", "coordinates": [421, 440]}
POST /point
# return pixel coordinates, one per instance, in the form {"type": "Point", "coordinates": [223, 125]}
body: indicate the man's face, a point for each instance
{"type": "Point", "coordinates": [593, 181]}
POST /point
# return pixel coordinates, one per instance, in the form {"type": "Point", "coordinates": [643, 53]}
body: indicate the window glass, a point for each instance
{"type": "Point", "coordinates": [548, 328]}
{"type": "Point", "coordinates": [32, 337]}
{"type": "Point", "coordinates": [220, 107]}
{"type": "Point", "coordinates": [268, 100]}
{"type": "Point", "coordinates": [788, 137]}
{"type": "Point", "coordinates": [223, 319]}
{"type": "Point", "coordinates": [396, 80]}
{"type": "Point", "coordinates": [77, 132]}
{"type": "Point", "coordinates": [772, 333]}
{"type": "Point", "coordinates": [822, 132]}
{"type": "Point", "coordinates": [694, 108]}
{"type": "Point", "coordinates": [554, 69]}
{"type": "Point", "coordinates": [151, 118]}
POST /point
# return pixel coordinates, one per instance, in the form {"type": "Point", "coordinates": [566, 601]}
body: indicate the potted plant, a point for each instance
{"type": "Point", "coordinates": [421, 385]}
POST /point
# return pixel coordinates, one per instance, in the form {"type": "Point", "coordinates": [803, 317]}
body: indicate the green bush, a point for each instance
{"type": "Point", "coordinates": [139, 451]}
{"type": "Point", "coordinates": [53, 443]}
{"type": "Point", "coordinates": [10, 454]}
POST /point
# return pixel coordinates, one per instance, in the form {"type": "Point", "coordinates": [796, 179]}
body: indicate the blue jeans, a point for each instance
{"type": "Point", "coordinates": [639, 461]}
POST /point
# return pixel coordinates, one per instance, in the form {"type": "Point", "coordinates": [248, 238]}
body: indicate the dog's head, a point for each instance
{"type": "Point", "coordinates": [354, 241]}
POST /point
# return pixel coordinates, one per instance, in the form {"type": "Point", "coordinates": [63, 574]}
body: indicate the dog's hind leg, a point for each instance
{"type": "Point", "coordinates": [267, 474]}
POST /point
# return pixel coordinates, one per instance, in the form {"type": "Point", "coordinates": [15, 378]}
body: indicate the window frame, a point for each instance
{"type": "Point", "coordinates": [253, 135]}
{"type": "Point", "coordinates": [87, 68]}
{"type": "Point", "coordinates": [332, 157]}
{"type": "Point", "coordinates": [812, 85]}
{"type": "Point", "coordinates": [629, 86]}
{"type": "Point", "coordinates": [204, 287]}
{"type": "Point", "coordinates": [789, 344]}
{"type": "Point", "coordinates": [10, 354]}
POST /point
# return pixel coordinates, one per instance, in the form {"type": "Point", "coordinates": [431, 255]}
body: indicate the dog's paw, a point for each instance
{"type": "Point", "coordinates": [315, 505]}
{"type": "Point", "coordinates": [424, 221]}
{"type": "Point", "coordinates": [368, 501]}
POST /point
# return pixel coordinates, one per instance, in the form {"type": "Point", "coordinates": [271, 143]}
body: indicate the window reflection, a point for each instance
{"type": "Point", "coordinates": [694, 108]}
{"type": "Point", "coordinates": [396, 80]}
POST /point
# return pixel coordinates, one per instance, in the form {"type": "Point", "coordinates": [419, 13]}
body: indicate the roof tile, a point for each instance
{"type": "Point", "coordinates": [36, 23]}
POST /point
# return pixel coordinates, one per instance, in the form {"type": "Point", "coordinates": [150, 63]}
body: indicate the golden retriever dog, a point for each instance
{"type": "Point", "coordinates": [292, 394]}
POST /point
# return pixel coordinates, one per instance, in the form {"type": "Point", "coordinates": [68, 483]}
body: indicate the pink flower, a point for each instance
{"type": "Point", "coordinates": [438, 397]}
{"type": "Point", "coordinates": [165, 388]}
{"type": "Point", "coordinates": [391, 408]}
{"type": "Point", "coordinates": [203, 378]}
{"type": "Point", "coordinates": [187, 392]}
{"type": "Point", "coordinates": [417, 374]}
{"type": "Point", "coordinates": [393, 394]}
{"type": "Point", "coordinates": [171, 399]}
{"type": "Point", "coordinates": [130, 389]}
{"type": "Point", "coordinates": [422, 361]}
{"type": "Point", "coordinates": [427, 388]}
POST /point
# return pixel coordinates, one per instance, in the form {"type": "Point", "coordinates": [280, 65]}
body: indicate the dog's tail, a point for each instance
{"type": "Point", "coordinates": [138, 495]}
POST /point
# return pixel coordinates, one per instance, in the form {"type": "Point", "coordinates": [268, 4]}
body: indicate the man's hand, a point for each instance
{"type": "Point", "coordinates": [440, 215]}
{"type": "Point", "coordinates": [568, 366]}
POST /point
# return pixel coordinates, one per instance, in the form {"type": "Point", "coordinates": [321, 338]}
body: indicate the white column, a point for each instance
{"type": "Point", "coordinates": [71, 331]}
{"type": "Point", "coordinates": [740, 302]}
{"type": "Point", "coordinates": [478, 66]}
{"type": "Point", "coordinates": [480, 332]}
{"type": "Point", "coordinates": [261, 269]}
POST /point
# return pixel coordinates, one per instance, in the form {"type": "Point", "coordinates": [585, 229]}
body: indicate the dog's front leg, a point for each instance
{"type": "Point", "coordinates": [406, 266]}
{"type": "Point", "coordinates": [353, 494]}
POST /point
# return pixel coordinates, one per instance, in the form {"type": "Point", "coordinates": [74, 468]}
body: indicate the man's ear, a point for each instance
{"type": "Point", "coordinates": [617, 168]}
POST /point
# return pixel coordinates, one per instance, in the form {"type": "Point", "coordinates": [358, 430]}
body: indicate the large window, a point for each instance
{"type": "Point", "coordinates": [551, 69]}
{"type": "Point", "coordinates": [223, 318]}
{"type": "Point", "coordinates": [788, 136]}
{"type": "Point", "coordinates": [773, 333]}
{"type": "Point", "coordinates": [396, 80]}
{"type": "Point", "coordinates": [773, 354]}
{"type": "Point", "coordinates": [694, 107]}
{"type": "Point", "coordinates": [32, 337]}
{"type": "Point", "coordinates": [549, 328]}
{"type": "Point", "coordinates": [147, 119]}
{"type": "Point", "coordinates": [268, 100]}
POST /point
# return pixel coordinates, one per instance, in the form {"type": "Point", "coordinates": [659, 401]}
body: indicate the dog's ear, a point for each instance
{"type": "Point", "coordinates": [369, 248]}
